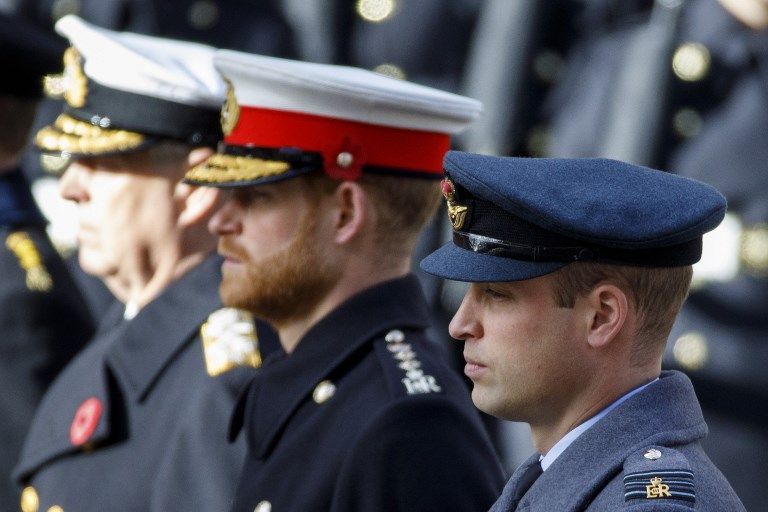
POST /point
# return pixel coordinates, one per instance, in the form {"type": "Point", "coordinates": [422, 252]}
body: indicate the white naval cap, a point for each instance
{"type": "Point", "coordinates": [124, 91]}
{"type": "Point", "coordinates": [283, 118]}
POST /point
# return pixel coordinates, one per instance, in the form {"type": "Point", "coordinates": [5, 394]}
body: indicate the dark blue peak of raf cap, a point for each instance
{"type": "Point", "coordinates": [520, 218]}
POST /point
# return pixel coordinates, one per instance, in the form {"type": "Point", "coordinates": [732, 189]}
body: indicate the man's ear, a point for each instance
{"type": "Point", "coordinates": [608, 307]}
{"type": "Point", "coordinates": [350, 205]}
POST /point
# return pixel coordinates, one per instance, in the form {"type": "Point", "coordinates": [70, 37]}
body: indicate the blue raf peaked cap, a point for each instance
{"type": "Point", "coordinates": [520, 218]}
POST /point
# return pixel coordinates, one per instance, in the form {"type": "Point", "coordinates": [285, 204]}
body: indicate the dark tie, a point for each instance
{"type": "Point", "coordinates": [530, 475]}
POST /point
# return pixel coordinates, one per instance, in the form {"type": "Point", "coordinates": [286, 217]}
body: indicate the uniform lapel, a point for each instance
{"type": "Point", "coordinates": [666, 412]}
{"type": "Point", "coordinates": [163, 327]}
{"type": "Point", "coordinates": [81, 387]}
{"type": "Point", "coordinates": [506, 501]}
{"type": "Point", "coordinates": [284, 384]}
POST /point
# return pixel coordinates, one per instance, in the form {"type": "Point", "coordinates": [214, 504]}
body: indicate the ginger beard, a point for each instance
{"type": "Point", "coordinates": [284, 286]}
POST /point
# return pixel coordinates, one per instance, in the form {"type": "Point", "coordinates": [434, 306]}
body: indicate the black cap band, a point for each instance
{"type": "Point", "coordinates": [489, 229]}
{"type": "Point", "coordinates": [115, 109]}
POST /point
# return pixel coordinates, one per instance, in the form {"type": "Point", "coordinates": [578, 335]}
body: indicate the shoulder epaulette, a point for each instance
{"type": "Point", "coordinates": [658, 473]}
{"type": "Point", "coordinates": [20, 244]}
{"type": "Point", "coordinates": [229, 341]}
{"type": "Point", "coordinates": [405, 371]}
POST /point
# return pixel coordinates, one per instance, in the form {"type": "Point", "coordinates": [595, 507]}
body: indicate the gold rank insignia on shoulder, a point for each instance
{"type": "Point", "coordinates": [229, 341]}
{"type": "Point", "coordinates": [38, 279]}
{"type": "Point", "coordinates": [72, 84]}
{"type": "Point", "coordinates": [657, 489]}
{"type": "Point", "coordinates": [676, 484]}
{"type": "Point", "coordinates": [456, 212]}
{"type": "Point", "coordinates": [230, 111]}
{"type": "Point", "coordinates": [415, 381]}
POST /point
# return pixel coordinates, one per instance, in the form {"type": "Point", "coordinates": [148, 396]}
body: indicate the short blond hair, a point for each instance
{"type": "Point", "coordinates": [656, 293]}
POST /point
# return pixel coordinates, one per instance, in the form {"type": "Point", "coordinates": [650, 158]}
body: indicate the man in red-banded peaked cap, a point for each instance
{"type": "Point", "coordinates": [332, 173]}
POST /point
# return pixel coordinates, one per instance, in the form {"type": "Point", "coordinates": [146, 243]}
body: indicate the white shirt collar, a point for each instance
{"type": "Point", "coordinates": [570, 437]}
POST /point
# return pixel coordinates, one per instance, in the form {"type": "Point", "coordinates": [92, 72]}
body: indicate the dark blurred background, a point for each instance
{"type": "Point", "coordinates": [680, 85]}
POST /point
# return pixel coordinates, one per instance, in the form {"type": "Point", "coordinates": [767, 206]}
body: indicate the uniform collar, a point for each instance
{"type": "Point", "coordinates": [574, 434]}
{"type": "Point", "coordinates": [285, 383]}
{"type": "Point", "coordinates": [665, 412]}
{"type": "Point", "coordinates": [163, 327]}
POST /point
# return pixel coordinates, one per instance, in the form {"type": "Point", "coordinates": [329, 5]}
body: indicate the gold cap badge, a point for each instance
{"type": "Point", "coordinates": [230, 111]}
{"type": "Point", "coordinates": [456, 212]}
{"type": "Point", "coordinates": [72, 84]}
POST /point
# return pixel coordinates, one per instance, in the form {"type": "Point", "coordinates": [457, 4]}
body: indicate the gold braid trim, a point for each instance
{"type": "Point", "coordinates": [70, 135]}
{"type": "Point", "coordinates": [38, 279]}
{"type": "Point", "coordinates": [221, 168]}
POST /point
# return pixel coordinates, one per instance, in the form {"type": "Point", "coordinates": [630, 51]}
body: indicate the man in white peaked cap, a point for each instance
{"type": "Point", "coordinates": [330, 175]}
{"type": "Point", "coordinates": [138, 420]}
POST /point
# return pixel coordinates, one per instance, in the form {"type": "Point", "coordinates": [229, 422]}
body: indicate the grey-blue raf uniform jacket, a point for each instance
{"type": "Point", "coordinates": [642, 456]}
{"type": "Point", "coordinates": [135, 423]}
{"type": "Point", "coordinates": [363, 416]}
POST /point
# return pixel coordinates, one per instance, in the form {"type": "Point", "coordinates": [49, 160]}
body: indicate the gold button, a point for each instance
{"type": "Point", "coordinates": [691, 62]}
{"type": "Point", "coordinates": [376, 11]}
{"type": "Point", "coordinates": [55, 508]}
{"type": "Point", "coordinates": [690, 351]}
{"type": "Point", "coordinates": [29, 500]}
{"type": "Point", "coordinates": [390, 70]}
{"type": "Point", "coordinates": [753, 250]}
{"type": "Point", "coordinates": [263, 506]}
{"type": "Point", "coordinates": [687, 122]}
{"type": "Point", "coordinates": [203, 14]}
{"type": "Point", "coordinates": [323, 391]}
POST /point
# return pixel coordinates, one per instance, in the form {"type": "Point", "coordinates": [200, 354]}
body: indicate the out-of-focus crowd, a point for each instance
{"type": "Point", "coordinates": [678, 85]}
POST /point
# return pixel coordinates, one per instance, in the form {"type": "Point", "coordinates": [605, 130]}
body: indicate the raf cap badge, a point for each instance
{"type": "Point", "coordinates": [229, 341]}
{"type": "Point", "coordinates": [72, 84]}
{"type": "Point", "coordinates": [456, 212]}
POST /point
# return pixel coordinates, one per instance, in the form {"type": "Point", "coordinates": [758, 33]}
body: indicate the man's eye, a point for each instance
{"type": "Point", "coordinates": [248, 196]}
{"type": "Point", "coordinates": [495, 294]}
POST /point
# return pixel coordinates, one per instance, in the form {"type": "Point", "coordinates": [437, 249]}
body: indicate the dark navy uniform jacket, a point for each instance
{"type": "Point", "coordinates": [615, 463]}
{"type": "Point", "coordinates": [135, 423]}
{"type": "Point", "coordinates": [43, 320]}
{"type": "Point", "coordinates": [363, 416]}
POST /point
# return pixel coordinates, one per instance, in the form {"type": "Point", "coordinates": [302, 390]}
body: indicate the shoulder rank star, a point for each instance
{"type": "Point", "coordinates": [456, 212]}
{"type": "Point", "coordinates": [229, 341]}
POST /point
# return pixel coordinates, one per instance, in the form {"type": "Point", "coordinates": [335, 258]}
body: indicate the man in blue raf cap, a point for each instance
{"type": "Point", "coordinates": [578, 269]}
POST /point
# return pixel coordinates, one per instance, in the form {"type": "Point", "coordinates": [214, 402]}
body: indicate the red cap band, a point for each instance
{"type": "Point", "coordinates": [368, 144]}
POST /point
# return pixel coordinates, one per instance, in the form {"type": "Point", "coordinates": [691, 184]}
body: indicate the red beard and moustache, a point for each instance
{"type": "Point", "coordinates": [285, 286]}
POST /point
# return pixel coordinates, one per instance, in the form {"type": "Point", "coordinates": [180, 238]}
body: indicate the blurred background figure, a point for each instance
{"type": "Point", "coordinates": [675, 84]}
{"type": "Point", "coordinates": [43, 318]}
{"type": "Point", "coordinates": [683, 86]}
